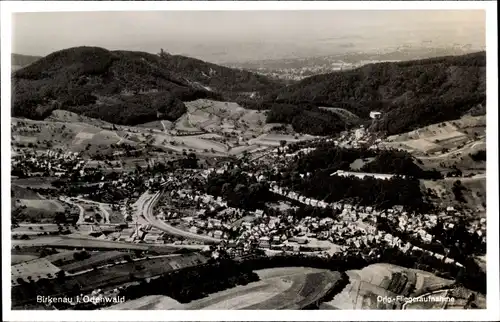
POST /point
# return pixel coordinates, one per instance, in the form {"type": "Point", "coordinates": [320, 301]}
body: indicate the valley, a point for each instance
{"type": "Point", "coordinates": [132, 172]}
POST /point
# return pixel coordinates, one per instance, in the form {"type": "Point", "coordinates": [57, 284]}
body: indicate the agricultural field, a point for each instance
{"type": "Point", "coordinates": [57, 135]}
{"type": "Point", "coordinates": [29, 206]}
{"type": "Point", "coordinates": [62, 257]}
{"type": "Point", "coordinates": [18, 192]}
{"type": "Point", "coordinates": [79, 242]}
{"type": "Point", "coordinates": [460, 158]}
{"type": "Point", "coordinates": [96, 259]}
{"type": "Point", "coordinates": [278, 288]}
{"type": "Point", "coordinates": [440, 137]}
{"type": "Point", "coordinates": [108, 277]}
{"type": "Point", "coordinates": [151, 302]}
{"type": "Point", "coordinates": [35, 229]}
{"type": "Point", "coordinates": [275, 139]}
{"type": "Point", "coordinates": [34, 182]}
{"type": "Point", "coordinates": [209, 128]}
{"type": "Point", "coordinates": [70, 117]}
{"type": "Point", "coordinates": [32, 270]}
{"type": "Point", "coordinates": [162, 125]}
{"type": "Point", "coordinates": [16, 259]}
{"type": "Point", "coordinates": [345, 115]}
{"type": "Point", "coordinates": [215, 114]}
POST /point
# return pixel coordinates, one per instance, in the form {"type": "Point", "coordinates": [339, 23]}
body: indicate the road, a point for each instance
{"type": "Point", "coordinates": [444, 155]}
{"type": "Point", "coordinates": [99, 204]}
{"type": "Point", "coordinates": [145, 210]}
{"type": "Point", "coordinates": [476, 177]}
{"type": "Point", "coordinates": [81, 218]}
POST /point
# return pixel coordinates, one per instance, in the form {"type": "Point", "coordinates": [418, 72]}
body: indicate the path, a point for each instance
{"type": "Point", "coordinates": [100, 205]}
{"type": "Point", "coordinates": [443, 155]}
{"type": "Point", "coordinates": [82, 211]}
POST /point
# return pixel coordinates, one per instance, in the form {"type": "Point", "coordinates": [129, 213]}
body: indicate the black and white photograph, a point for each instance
{"type": "Point", "coordinates": [252, 160]}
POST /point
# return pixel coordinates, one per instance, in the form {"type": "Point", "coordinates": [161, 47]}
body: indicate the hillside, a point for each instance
{"type": "Point", "coordinates": [123, 87]}
{"type": "Point", "coordinates": [233, 83]}
{"type": "Point", "coordinates": [410, 94]}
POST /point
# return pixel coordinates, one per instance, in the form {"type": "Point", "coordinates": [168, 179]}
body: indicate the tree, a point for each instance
{"type": "Point", "coordinates": [60, 218]}
{"type": "Point", "coordinates": [60, 275]}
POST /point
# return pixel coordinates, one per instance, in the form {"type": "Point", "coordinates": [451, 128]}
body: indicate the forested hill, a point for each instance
{"type": "Point", "coordinates": [233, 83]}
{"type": "Point", "coordinates": [124, 87]}
{"type": "Point", "coordinates": [410, 94]}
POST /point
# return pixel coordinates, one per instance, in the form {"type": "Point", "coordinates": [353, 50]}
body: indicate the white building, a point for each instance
{"type": "Point", "coordinates": [362, 175]}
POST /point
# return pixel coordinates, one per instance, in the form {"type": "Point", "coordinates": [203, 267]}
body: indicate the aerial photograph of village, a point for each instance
{"type": "Point", "coordinates": [322, 160]}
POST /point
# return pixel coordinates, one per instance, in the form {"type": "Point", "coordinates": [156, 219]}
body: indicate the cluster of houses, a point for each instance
{"type": "Point", "coordinates": [357, 138]}
{"type": "Point", "coordinates": [479, 227]}
{"type": "Point", "coordinates": [362, 175]}
{"type": "Point", "coordinates": [50, 162]}
{"type": "Point", "coordinates": [356, 220]}
{"type": "Point", "coordinates": [216, 226]}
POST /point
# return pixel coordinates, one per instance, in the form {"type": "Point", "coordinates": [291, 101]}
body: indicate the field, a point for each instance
{"type": "Point", "coordinates": [62, 258]}
{"type": "Point", "coordinates": [345, 115]}
{"type": "Point", "coordinates": [32, 270]}
{"type": "Point", "coordinates": [158, 125]}
{"type": "Point", "coordinates": [436, 137]}
{"type": "Point", "coordinates": [34, 229]}
{"type": "Point", "coordinates": [16, 259]}
{"type": "Point", "coordinates": [32, 207]}
{"type": "Point", "coordinates": [66, 116]}
{"type": "Point", "coordinates": [151, 302]}
{"type": "Point", "coordinates": [280, 288]}
{"type": "Point", "coordinates": [34, 182]}
{"type": "Point", "coordinates": [457, 157]}
{"type": "Point", "coordinates": [43, 205]}
{"type": "Point", "coordinates": [210, 128]}
{"type": "Point", "coordinates": [96, 259]}
{"type": "Point", "coordinates": [107, 277]}
{"type": "Point", "coordinates": [275, 139]}
{"type": "Point", "coordinates": [88, 243]}
{"type": "Point", "coordinates": [383, 280]}
{"type": "Point", "coordinates": [18, 192]}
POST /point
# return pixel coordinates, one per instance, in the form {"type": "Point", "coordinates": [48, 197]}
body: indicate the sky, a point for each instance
{"type": "Point", "coordinates": [243, 35]}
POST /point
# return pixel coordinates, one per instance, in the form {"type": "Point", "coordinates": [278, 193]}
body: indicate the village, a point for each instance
{"type": "Point", "coordinates": [158, 207]}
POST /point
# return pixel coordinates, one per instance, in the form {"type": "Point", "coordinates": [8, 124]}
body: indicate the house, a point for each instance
{"type": "Point", "coordinates": [361, 175]}
{"type": "Point", "coordinates": [276, 240]}
{"type": "Point", "coordinates": [439, 256]}
{"type": "Point", "coordinates": [448, 260]}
